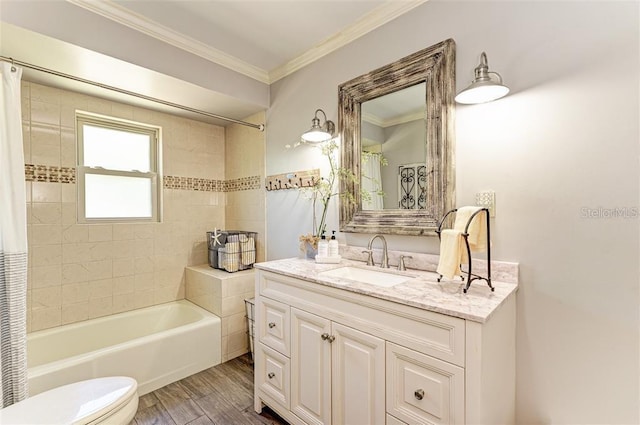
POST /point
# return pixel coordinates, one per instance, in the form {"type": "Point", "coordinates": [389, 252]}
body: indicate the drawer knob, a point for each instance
{"type": "Point", "coordinates": [272, 325]}
{"type": "Point", "coordinates": [326, 337]}
{"type": "Point", "coordinates": [271, 375]}
{"type": "Point", "coordinates": [419, 394]}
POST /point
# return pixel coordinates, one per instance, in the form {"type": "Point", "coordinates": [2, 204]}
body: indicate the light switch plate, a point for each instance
{"type": "Point", "coordinates": [487, 199]}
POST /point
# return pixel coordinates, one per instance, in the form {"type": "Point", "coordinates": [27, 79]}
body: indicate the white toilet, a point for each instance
{"type": "Point", "coordinates": [112, 400]}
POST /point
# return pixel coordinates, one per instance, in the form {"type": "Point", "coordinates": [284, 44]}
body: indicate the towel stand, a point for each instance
{"type": "Point", "coordinates": [471, 276]}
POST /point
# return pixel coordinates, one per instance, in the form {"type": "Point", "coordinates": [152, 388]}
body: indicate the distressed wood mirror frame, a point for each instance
{"type": "Point", "coordinates": [434, 65]}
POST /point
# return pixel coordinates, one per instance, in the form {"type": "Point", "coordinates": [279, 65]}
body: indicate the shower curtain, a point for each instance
{"type": "Point", "coordinates": [13, 242]}
{"type": "Point", "coordinates": [372, 180]}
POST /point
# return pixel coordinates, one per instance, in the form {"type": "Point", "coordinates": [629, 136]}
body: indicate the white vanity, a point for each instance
{"type": "Point", "coordinates": [332, 350]}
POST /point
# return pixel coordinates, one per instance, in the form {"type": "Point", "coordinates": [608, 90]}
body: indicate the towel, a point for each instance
{"type": "Point", "coordinates": [453, 251]}
{"type": "Point", "coordinates": [247, 250]}
{"type": "Point", "coordinates": [477, 229]}
{"type": "Point", "coordinates": [232, 257]}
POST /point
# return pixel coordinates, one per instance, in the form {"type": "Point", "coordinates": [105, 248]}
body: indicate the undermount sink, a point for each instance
{"type": "Point", "coordinates": [371, 277]}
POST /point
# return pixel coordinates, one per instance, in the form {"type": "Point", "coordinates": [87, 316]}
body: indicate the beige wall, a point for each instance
{"type": "Point", "coordinates": [78, 272]}
{"type": "Point", "coordinates": [245, 159]}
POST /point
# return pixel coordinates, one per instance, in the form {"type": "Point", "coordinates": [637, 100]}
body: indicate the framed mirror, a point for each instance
{"type": "Point", "coordinates": [396, 127]}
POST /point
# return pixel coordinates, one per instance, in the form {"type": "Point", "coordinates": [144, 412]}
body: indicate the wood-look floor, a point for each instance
{"type": "Point", "coordinates": [221, 395]}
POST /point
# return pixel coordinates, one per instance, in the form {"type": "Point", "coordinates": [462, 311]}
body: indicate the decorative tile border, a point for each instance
{"type": "Point", "coordinates": [243, 183]}
{"type": "Point", "coordinates": [193, 183]}
{"type": "Point", "coordinates": [208, 185]}
{"type": "Point", "coordinates": [53, 174]}
{"type": "Point", "coordinates": [49, 174]}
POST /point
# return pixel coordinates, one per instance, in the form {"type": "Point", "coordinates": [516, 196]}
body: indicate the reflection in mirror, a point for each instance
{"type": "Point", "coordinates": [409, 194]}
{"type": "Point", "coordinates": [394, 150]}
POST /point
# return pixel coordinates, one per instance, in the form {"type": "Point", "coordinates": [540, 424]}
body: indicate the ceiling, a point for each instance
{"type": "Point", "coordinates": [261, 41]}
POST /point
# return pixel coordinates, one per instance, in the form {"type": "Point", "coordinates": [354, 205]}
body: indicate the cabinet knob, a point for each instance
{"type": "Point", "coordinates": [271, 375]}
{"type": "Point", "coordinates": [327, 337]}
{"type": "Point", "coordinates": [419, 394]}
{"type": "Point", "coordinates": [272, 325]}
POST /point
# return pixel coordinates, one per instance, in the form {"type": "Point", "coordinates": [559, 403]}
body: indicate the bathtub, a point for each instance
{"type": "Point", "coordinates": [155, 345]}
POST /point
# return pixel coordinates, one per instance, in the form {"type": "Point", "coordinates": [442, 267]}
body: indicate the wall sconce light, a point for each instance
{"type": "Point", "coordinates": [483, 88]}
{"type": "Point", "coordinates": [319, 133]}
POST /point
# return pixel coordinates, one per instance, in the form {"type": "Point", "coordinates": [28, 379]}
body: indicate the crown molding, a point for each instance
{"type": "Point", "coordinates": [379, 16]}
{"type": "Point", "coordinates": [374, 19]}
{"type": "Point", "coordinates": [405, 118]}
{"type": "Point", "coordinates": [368, 143]}
{"type": "Point", "coordinates": [126, 17]}
{"type": "Point", "coordinates": [372, 119]}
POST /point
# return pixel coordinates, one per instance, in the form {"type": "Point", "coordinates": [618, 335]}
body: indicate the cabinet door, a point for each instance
{"type": "Point", "coordinates": [310, 367]}
{"type": "Point", "coordinates": [358, 377]}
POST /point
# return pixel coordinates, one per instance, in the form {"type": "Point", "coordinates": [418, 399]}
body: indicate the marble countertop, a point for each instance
{"type": "Point", "coordinates": [422, 291]}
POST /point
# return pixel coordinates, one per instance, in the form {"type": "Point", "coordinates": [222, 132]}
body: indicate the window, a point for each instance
{"type": "Point", "coordinates": [118, 170]}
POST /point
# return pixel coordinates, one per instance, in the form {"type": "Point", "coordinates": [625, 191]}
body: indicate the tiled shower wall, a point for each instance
{"type": "Point", "coordinates": [245, 156]}
{"type": "Point", "coordinates": [82, 271]}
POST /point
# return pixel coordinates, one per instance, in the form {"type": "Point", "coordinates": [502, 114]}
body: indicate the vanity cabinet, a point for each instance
{"type": "Point", "coordinates": [327, 355]}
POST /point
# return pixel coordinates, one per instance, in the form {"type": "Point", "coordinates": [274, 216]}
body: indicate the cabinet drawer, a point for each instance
{"type": "Point", "coordinates": [391, 420]}
{"type": "Point", "coordinates": [273, 374]}
{"type": "Point", "coordinates": [273, 324]}
{"type": "Point", "coordinates": [422, 389]}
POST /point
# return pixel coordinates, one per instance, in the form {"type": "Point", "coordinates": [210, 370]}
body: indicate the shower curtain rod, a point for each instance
{"type": "Point", "coordinates": [129, 93]}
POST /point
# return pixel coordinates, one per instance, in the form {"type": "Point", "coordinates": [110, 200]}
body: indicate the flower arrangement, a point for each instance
{"type": "Point", "coordinates": [323, 191]}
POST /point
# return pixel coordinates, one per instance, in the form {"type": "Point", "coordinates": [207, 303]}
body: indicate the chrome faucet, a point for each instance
{"type": "Point", "coordinates": [385, 254]}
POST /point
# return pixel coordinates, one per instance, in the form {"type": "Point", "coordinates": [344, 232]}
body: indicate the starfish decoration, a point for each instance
{"type": "Point", "coordinates": [215, 236]}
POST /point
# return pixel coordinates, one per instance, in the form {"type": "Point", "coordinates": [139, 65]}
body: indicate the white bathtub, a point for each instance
{"type": "Point", "coordinates": [155, 345]}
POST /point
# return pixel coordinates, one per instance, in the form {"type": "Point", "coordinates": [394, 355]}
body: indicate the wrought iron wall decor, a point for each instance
{"type": "Point", "coordinates": [412, 187]}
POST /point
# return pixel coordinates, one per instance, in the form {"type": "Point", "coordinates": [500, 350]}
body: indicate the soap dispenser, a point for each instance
{"type": "Point", "coordinates": [334, 250]}
{"type": "Point", "coordinates": [323, 246]}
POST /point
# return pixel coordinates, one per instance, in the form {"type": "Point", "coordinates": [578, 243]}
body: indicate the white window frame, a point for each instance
{"type": "Point", "coordinates": [154, 174]}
